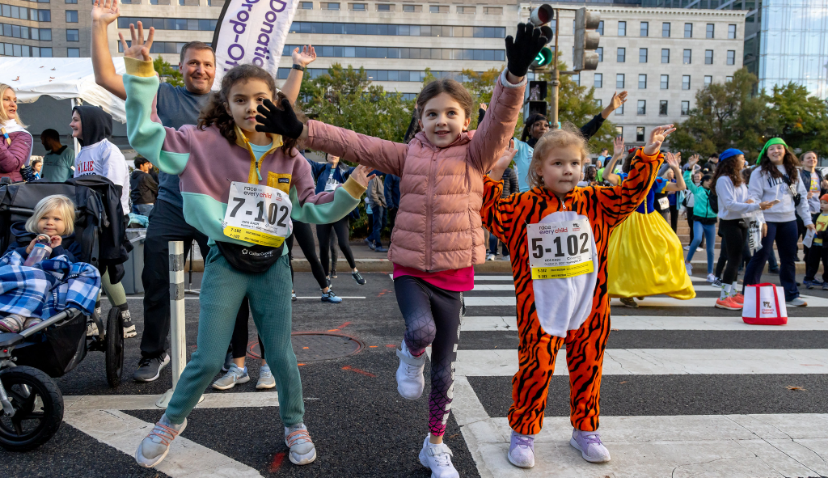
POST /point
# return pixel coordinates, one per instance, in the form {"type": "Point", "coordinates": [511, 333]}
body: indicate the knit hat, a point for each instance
{"type": "Point", "coordinates": [770, 143]}
{"type": "Point", "coordinates": [824, 197]}
{"type": "Point", "coordinates": [729, 153]}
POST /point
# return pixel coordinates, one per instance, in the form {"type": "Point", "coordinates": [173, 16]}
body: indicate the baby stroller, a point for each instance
{"type": "Point", "coordinates": [32, 402]}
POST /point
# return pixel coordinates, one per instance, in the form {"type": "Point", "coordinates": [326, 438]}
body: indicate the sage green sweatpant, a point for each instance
{"type": "Point", "coordinates": [222, 291]}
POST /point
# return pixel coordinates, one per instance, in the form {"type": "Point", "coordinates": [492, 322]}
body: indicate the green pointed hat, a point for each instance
{"type": "Point", "coordinates": [770, 143]}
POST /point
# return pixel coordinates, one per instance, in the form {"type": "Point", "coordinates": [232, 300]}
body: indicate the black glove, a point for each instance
{"type": "Point", "coordinates": [522, 50]}
{"type": "Point", "coordinates": [279, 121]}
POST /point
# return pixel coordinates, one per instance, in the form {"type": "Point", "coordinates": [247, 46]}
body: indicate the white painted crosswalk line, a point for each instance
{"type": "Point", "coordinates": [657, 301]}
{"type": "Point", "coordinates": [646, 322]}
{"type": "Point", "coordinates": [504, 362]}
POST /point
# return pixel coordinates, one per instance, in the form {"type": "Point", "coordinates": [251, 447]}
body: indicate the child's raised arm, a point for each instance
{"type": "Point", "coordinates": [165, 148]}
{"type": "Point", "coordinates": [496, 212]}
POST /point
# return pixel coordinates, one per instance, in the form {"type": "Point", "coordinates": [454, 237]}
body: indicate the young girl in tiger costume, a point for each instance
{"type": "Point", "coordinates": [558, 235]}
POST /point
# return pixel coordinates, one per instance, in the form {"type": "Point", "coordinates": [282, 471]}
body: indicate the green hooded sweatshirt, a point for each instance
{"type": "Point", "coordinates": [770, 143]}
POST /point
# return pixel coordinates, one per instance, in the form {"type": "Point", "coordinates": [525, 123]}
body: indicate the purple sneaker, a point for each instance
{"type": "Point", "coordinates": [522, 450]}
{"type": "Point", "coordinates": [590, 446]}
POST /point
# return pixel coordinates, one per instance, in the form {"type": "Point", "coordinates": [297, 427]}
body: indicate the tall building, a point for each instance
{"type": "Point", "coordinates": [662, 56]}
{"type": "Point", "coordinates": [45, 28]}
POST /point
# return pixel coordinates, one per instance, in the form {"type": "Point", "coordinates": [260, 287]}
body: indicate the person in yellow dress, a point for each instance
{"type": "Point", "coordinates": [645, 256]}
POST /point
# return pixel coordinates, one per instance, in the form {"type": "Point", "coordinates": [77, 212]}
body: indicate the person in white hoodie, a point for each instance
{"type": "Point", "coordinates": [91, 126]}
{"type": "Point", "coordinates": [777, 179]}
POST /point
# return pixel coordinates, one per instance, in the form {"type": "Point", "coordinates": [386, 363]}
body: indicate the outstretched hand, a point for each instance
{"type": "Point", "coordinates": [618, 146]}
{"type": "Point", "coordinates": [502, 163]}
{"type": "Point", "coordinates": [140, 50]}
{"type": "Point", "coordinates": [522, 50]}
{"type": "Point", "coordinates": [305, 56]}
{"type": "Point", "coordinates": [105, 11]}
{"type": "Point", "coordinates": [657, 137]}
{"type": "Point", "coordinates": [278, 121]}
{"type": "Point", "coordinates": [673, 160]}
{"type": "Point", "coordinates": [360, 175]}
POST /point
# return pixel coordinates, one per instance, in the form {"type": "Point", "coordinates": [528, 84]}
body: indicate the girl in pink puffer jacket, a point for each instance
{"type": "Point", "coordinates": [437, 237]}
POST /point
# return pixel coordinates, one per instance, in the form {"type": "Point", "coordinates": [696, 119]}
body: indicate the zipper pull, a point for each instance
{"type": "Point", "coordinates": [257, 172]}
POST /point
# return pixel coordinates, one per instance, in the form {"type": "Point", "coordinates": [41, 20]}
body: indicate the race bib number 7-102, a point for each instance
{"type": "Point", "coordinates": [257, 213]}
{"type": "Point", "coordinates": [560, 250]}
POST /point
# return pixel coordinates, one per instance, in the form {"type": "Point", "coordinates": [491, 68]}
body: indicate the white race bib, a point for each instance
{"type": "Point", "coordinates": [331, 184]}
{"type": "Point", "coordinates": [560, 250]}
{"type": "Point", "coordinates": [663, 203]}
{"type": "Point", "coordinates": [257, 213]}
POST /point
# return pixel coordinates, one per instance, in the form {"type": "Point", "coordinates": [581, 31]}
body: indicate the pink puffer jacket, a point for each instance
{"type": "Point", "coordinates": [438, 224]}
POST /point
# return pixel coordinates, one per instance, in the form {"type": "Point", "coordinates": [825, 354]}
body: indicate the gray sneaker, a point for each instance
{"type": "Point", "coordinates": [266, 379]}
{"type": "Point", "coordinates": [234, 376]}
{"type": "Point", "coordinates": [154, 448]}
{"type": "Point", "coordinates": [302, 450]}
{"type": "Point", "coordinates": [228, 362]}
{"type": "Point", "coordinates": [150, 368]}
{"type": "Point", "coordinates": [797, 302]}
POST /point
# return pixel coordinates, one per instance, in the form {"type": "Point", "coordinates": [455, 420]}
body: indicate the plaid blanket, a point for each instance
{"type": "Point", "coordinates": [48, 287]}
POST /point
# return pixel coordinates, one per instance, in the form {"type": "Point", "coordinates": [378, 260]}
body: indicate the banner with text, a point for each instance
{"type": "Point", "coordinates": [251, 32]}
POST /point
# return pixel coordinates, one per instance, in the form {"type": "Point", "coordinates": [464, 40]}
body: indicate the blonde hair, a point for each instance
{"type": "Point", "coordinates": [3, 116]}
{"type": "Point", "coordinates": [567, 136]}
{"type": "Point", "coordinates": [65, 207]}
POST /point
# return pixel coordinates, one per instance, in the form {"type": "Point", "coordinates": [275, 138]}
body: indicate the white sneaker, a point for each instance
{"type": "Point", "coordinates": [266, 379]}
{"type": "Point", "coordinates": [490, 257]}
{"type": "Point", "coordinates": [711, 278]}
{"type": "Point", "coordinates": [437, 458]}
{"type": "Point", "coordinates": [689, 267]}
{"type": "Point", "coordinates": [506, 258]}
{"type": "Point", "coordinates": [410, 381]}
{"type": "Point", "coordinates": [590, 446]}
{"type": "Point", "coordinates": [302, 449]}
{"type": "Point", "coordinates": [234, 376]}
{"type": "Point", "coordinates": [154, 448]}
{"type": "Point", "coordinates": [797, 302]}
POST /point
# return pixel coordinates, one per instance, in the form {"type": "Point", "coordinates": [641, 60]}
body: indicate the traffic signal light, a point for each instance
{"type": "Point", "coordinates": [586, 39]}
{"type": "Point", "coordinates": [543, 59]}
{"type": "Point", "coordinates": [540, 17]}
{"type": "Point", "coordinates": [536, 96]}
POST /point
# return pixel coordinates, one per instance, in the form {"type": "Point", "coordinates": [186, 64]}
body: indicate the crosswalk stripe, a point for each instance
{"type": "Point", "coordinates": [479, 278]}
{"type": "Point", "coordinates": [499, 363]}
{"type": "Point", "coordinates": [511, 287]}
{"type": "Point", "coordinates": [644, 322]}
{"type": "Point", "coordinates": [658, 301]}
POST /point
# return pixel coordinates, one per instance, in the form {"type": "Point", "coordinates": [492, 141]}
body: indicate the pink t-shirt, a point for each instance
{"type": "Point", "coordinates": [456, 280]}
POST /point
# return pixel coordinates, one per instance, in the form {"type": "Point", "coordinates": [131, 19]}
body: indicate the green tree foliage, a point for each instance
{"type": "Point", "coordinates": [801, 120]}
{"type": "Point", "coordinates": [167, 73]}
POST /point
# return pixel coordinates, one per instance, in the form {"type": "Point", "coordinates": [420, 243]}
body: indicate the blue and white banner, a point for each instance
{"type": "Point", "coordinates": [251, 31]}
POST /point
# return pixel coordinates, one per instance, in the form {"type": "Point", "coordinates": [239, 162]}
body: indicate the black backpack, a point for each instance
{"type": "Point", "coordinates": [713, 200]}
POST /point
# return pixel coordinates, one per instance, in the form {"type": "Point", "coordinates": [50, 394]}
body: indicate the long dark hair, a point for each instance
{"type": "Point", "coordinates": [215, 113]}
{"type": "Point", "coordinates": [789, 161]}
{"type": "Point", "coordinates": [527, 128]}
{"type": "Point", "coordinates": [627, 162]}
{"type": "Point", "coordinates": [728, 168]}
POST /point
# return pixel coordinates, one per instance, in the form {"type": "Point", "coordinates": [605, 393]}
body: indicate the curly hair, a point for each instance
{"type": "Point", "coordinates": [729, 169]}
{"type": "Point", "coordinates": [789, 161]}
{"type": "Point", "coordinates": [568, 135]}
{"type": "Point", "coordinates": [215, 113]}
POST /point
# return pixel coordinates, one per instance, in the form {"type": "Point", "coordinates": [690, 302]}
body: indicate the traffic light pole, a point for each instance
{"type": "Point", "coordinates": [556, 76]}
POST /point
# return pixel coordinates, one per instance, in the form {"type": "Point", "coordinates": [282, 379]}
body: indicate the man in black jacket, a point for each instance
{"type": "Point", "coordinates": [143, 188]}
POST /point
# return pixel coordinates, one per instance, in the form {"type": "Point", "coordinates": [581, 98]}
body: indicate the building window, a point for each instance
{"type": "Point", "coordinates": [711, 30]}
{"type": "Point", "coordinates": [600, 29]}
{"type": "Point", "coordinates": [731, 57]}
{"type": "Point", "coordinates": [600, 51]}
{"type": "Point", "coordinates": [409, 8]}
{"type": "Point", "coordinates": [331, 6]}
{"type": "Point", "coordinates": [622, 29]}
{"type": "Point", "coordinates": [44, 16]}
{"type": "Point", "coordinates": [665, 55]}
{"type": "Point", "coordinates": [708, 57]}
{"type": "Point", "coordinates": [731, 32]}
{"type": "Point", "coordinates": [434, 9]}
{"type": "Point", "coordinates": [619, 111]}
{"type": "Point", "coordinates": [685, 108]}
{"type": "Point", "coordinates": [45, 34]}
{"type": "Point", "coordinates": [619, 80]}
{"type": "Point", "coordinates": [72, 1]}
{"type": "Point", "coordinates": [708, 80]}
{"type": "Point", "coordinates": [619, 131]}
{"type": "Point", "coordinates": [642, 55]}
{"type": "Point", "coordinates": [665, 30]}
{"type": "Point", "coordinates": [405, 53]}
{"type": "Point", "coordinates": [642, 82]}
{"type": "Point", "coordinates": [46, 52]}
{"type": "Point", "coordinates": [645, 29]}
{"type": "Point", "coordinates": [685, 82]}
{"type": "Point", "coordinates": [665, 82]}
{"type": "Point", "coordinates": [72, 35]}
{"type": "Point", "coordinates": [642, 107]}
{"type": "Point", "coordinates": [622, 55]}
{"type": "Point", "coordinates": [599, 80]}
{"type": "Point", "coordinates": [493, 10]}
{"type": "Point", "coordinates": [466, 10]}
{"type": "Point", "coordinates": [71, 16]}
{"type": "Point", "coordinates": [577, 79]}
{"type": "Point", "coordinates": [688, 57]}
{"type": "Point", "coordinates": [359, 7]}
{"type": "Point", "coordinates": [728, 79]}
{"type": "Point", "coordinates": [599, 103]}
{"type": "Point", "coordinates": [662, 108]}
{"type": "Point", "coordinates": [639, 133]}
{"type": "Point", "coordinates": [383, 7]}
{"type": "Point", "coordinates": [73, 52]}
{"type": "Point", "coordinates": [688, 30]}
{"type": "Point", "coordinates": [306, 5]}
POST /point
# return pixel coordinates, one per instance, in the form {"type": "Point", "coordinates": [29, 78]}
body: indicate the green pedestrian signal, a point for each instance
{"type": "Point", "coordinates": [543, 58]}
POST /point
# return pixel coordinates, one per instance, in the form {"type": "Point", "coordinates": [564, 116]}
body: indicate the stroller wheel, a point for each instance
{"type": "Point", "coordinates": [38, 407]}
{"type": "Point", "coordinates": [114, 347]}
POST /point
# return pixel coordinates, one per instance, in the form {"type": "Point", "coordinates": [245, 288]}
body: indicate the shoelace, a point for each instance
{"type": "Point", "coordinates": [591, 438]}
{"type": "Point", "coordinates": [300, 434]}
{"type": "Point", "coordinates": [521, 440]}
{"type": "Point", "coordinates": [144, 362]}
{"type": "Point", "coordinates": [164, 433]}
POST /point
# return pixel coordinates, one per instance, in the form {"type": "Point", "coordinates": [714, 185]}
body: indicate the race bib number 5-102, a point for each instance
{"type": "Point", "coordinates": [560, 250]}
{"type": "Point", "coordinates": [258, 214]}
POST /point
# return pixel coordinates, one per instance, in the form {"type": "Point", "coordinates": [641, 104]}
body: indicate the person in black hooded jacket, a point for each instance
{"type": "Point", "coordinates": [92, 126]}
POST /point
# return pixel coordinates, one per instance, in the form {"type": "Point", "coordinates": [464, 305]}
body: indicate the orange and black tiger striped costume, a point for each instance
{"type": "Point", "coordinates": [506, 218]}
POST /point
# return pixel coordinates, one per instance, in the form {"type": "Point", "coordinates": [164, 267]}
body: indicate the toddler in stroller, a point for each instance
{"type": "Point", "coordinates": [42, 278]}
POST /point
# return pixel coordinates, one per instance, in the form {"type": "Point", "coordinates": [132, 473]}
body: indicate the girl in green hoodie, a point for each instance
{"type": "Point", "coordinates": [704, 219]}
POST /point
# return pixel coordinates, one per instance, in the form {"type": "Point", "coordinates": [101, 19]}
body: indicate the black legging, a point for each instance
{"type": "Point", "coordinates": [304, 236]}
{"type": "Point", "coordinates": [323, 232]}
{"type": "Point", "coordinates": [238, 344]}
{"type": "Point", "coordinates": [674, 217]}
{"type": "Point", "coordinates": [733, 239]}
